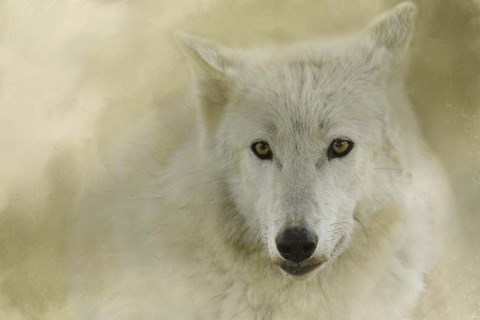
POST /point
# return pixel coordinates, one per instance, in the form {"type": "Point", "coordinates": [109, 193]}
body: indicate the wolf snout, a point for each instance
{"type": "Point", "coordinates": [296, 244]}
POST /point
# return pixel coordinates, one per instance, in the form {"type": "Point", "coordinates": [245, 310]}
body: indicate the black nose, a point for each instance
{"type": "Point", "coordinates": [297, 244]}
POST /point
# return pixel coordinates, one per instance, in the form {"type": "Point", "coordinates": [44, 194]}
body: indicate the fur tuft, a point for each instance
{"type": "Point", "coordinates": [394, 28]}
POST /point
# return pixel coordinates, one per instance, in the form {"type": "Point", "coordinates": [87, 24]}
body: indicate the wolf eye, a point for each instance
{"type": "Point", "coordinates": [339, 148]}
{"type": "Point", "coordinates": [262, 150]}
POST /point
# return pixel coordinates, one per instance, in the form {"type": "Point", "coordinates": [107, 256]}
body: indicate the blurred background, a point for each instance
{"type": "Point", "coordinates": [76, 74]}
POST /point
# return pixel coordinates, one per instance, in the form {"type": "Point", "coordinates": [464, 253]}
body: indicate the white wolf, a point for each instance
{"type": "Point", "coordinates": [302, 190]}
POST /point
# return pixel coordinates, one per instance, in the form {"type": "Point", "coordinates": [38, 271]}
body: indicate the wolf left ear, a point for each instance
{"type": "Point", "coordinates": [393, 30]}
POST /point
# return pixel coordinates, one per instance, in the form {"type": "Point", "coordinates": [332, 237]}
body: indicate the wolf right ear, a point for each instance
{"type": "Point", "coordinates": [393, 30]}
{"type": "Point", "coordinates": [212, 67]}
{"type": "Point", "coordinates": [205, 56]}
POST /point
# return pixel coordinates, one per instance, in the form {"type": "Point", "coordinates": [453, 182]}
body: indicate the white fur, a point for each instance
{"type": "Point", "coordinates": [181, 223]}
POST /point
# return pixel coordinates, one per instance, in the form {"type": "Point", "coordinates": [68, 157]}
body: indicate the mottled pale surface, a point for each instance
{"type": "Point", "coordinates": [75, 74]}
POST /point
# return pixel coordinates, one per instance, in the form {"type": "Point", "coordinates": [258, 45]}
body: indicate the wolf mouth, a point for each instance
{"type": "Point", "coordinates": [299, 269]}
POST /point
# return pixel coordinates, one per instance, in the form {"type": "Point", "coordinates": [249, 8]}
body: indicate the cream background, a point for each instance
{"type": "Point", "coordinates": [75, 74]}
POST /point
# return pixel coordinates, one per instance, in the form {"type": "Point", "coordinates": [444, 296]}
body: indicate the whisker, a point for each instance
{"type": "Point", "coordinates": [364, 232]}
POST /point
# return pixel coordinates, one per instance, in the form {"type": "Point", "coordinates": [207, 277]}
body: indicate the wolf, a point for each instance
{"type": "Point", "coordinates": [293, 183]}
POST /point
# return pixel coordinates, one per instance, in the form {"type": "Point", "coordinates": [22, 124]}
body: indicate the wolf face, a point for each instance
{"type": "Point", "coordinates": [297, 133]}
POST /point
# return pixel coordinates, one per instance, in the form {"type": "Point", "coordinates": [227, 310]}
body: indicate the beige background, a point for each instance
{"type": "Point", "coordinates": [75, 74]}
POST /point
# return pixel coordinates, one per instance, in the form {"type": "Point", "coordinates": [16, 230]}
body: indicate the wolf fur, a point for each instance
{"type": "Point", "coordinates": [180, 222]}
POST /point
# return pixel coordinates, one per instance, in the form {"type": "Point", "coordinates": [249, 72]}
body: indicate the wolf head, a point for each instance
{"type": "Point", "coordinates": [298, 132]}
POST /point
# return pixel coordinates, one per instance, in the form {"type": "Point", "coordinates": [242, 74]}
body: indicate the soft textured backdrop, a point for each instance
{"type": "Point", "coordinates": [75, 74]}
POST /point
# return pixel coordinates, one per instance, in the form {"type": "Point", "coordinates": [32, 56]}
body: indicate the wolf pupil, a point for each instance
{"type": "Point", "coordinates": [341, 145]}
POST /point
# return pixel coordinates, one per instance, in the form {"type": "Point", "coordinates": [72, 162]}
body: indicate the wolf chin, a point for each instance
{"type": "Point", "coordinates": [302, 189]}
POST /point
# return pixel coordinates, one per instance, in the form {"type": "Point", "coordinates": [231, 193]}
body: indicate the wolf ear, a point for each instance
{"type": "Point", "coordinates": [205, 56]}
{"type": "Point", "coordinates": [211, 65]}
{"type": "Point", "coordinates": [393, 30]}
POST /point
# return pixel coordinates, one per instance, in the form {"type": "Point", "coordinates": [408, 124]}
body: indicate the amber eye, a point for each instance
{"type": "Point", "coordinates": [262, 150]}
{"type": "Point", "coordinates": [339, 148]}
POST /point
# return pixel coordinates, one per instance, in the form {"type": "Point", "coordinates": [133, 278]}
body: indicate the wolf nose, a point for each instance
{"type": "Point", "coordinates": [296, 244]}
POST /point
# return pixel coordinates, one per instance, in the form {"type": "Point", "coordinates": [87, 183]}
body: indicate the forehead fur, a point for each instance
{"type": "Point", "coordinates": [310, 89]}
